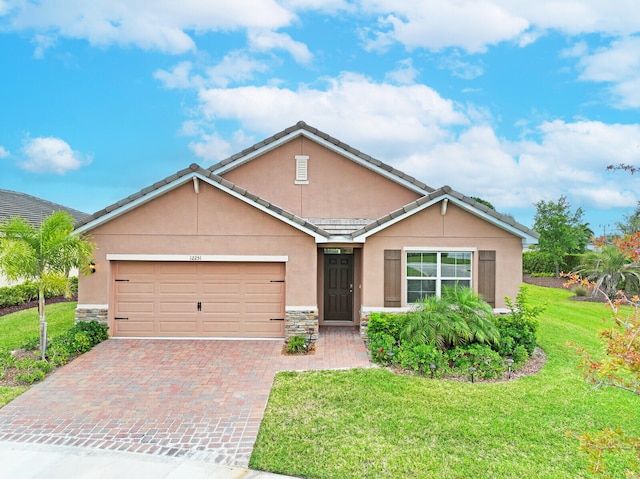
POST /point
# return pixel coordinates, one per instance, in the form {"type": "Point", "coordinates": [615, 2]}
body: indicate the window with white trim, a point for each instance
{"type": "Point", "coordinates": [429, 271]}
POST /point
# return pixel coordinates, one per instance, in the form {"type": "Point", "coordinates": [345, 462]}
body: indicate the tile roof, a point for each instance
{"type": "Point", "coordinates": [301, 127]}
{"type": "Point", "coordinates": [33, 209]}
{"type": "Point", "coordinates": [225, 184]}
{"type": "Point", "coordinates": [441, 193]}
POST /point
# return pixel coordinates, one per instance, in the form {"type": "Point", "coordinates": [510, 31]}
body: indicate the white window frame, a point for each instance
{"type": "Point", "coordinates": [302, 170]}
{"type": "Point", "coordinates": [438, 278]}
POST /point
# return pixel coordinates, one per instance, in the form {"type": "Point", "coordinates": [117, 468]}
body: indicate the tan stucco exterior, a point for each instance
{"type": "Point", "coordinates": [337, 187]}
{"type": "Point", "coordinates": [456, 229]}
{"type": "Point", "coordinates": [252, 207]}
{"type": "Point", "coordinates": [211, 222]}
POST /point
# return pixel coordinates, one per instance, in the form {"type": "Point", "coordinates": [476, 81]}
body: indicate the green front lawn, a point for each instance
{"type": "Point", "coordinates": [373, 423]}
{"type": "Point", "coordinates": [18, 328]}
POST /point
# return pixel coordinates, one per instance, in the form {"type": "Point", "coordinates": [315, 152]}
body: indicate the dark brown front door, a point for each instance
{"type": "Point", "coordinates": [338, 287]}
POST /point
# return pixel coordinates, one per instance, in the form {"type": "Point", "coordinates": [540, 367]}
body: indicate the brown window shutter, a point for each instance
{"type": "Point", "coordinates": [392, 278]}
{"type": "Point", "coordinates": [487, 276]}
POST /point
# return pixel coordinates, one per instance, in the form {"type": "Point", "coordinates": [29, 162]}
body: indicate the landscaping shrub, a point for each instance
{"type": "Point", "coordinates": [459, 316]}
{"type": "Point", "coordinates": [382, 345]}
{"type": "Point", "coordinates": [419, 358]}
{"type": "Point", "coordinates": [296, 344]}
{"type": "Point", "coordinates": [536, 263]}
{"type": "Point", "coordinates": [488, 363]}
{"type": "Point", "coordinates": [519, 327]}
{"type": "Point", "coordinates": [77, 340]}
{"type": "Point", "coordinates": [387, 323]}
{"type": "Point", "coordinates": [31, 369]}
{"type": "Point", "coordinates": [28, 291]}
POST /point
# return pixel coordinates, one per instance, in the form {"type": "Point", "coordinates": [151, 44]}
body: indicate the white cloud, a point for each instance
{"type": "Point", "coordinates": [393, 118]}
{"type": "Point", "coordinates": [404, 74]}
{"type": "Point", "coordinates": [459, 67]}
{"type": "Point", "coordinates": [160, 26]}
{"type": "Point", "coordinates": [51, 155]}
{"type": "Point", "coordinates": [179, 77]}
{"type": "Point", "coordinates": [474, 25]}
{"type": "Point", "coordinates": [4, 153]}
{"type": "Point", "coordinates": [42, 42]}
{"type": "Point", "coordinates": [236, 67]}
{"type": "Point", "coordinates": [268, 40]}
{"type": "Point", "coordinates": [471, 25]}
{"type": "Point", "coordinates": [619, 66]}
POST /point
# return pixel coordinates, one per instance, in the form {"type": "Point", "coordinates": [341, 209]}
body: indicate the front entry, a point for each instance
{"type": "Point", "coordinates": [338, 287]}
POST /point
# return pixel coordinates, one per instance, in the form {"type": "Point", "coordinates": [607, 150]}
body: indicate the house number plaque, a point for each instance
{"type": "Point", "coordinates": [195, 257]}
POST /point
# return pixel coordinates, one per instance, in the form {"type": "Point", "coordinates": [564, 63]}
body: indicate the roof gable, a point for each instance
{"type": "Point", "coordinates": [445, 195]}
{"type": "Point", "coordinates": [329, 142]}
{"type": "Point", "coordinates": [195, 173]}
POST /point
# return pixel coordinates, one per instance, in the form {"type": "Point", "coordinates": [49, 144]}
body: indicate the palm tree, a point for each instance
{"type": "Point", "coordinates": [609, 268]}
{"type": "Point", "coordinates": [459, 316]}
{"type": "Point", "coordinates": [43, 254]}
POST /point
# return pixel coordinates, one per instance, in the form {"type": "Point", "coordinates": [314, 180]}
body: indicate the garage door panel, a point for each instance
{"type": "Point", "coordinates": [175, 288]}
{"type": "Point", "coordinates": [173, 307]}
{"type": "Point", "coordinates": [222, 328]}
{"type": "Point", "coordinates": [128, 287]}
{"type": "Point", "coordinates": [134, 307]}
{"type": "Point", "coordinates": [132, 328]}
{"type": "Point", "coordinates": [178, 327]}
{"type": "Point", "coordinates": [237, 299]}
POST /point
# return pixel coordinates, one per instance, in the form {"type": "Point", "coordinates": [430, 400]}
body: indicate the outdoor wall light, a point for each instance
{"type": "Point", "coordinates": [92, 267]}
{"type": "Point", "coordinates": [509, 366]}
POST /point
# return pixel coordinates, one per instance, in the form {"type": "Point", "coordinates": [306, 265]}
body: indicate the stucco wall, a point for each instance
{"type": "Point", "coordinates": [338, 187]}
{"type": "Point", "coordinates": [457, 229]}
{"type": "Point", "coordinates": [209, 223]}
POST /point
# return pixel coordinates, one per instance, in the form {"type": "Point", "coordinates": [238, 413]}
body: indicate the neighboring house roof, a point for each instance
{"type": "Point", "coordinates": [33, 209]}
{"type": "Point", "coordinates": [322, 229]}
{"type": "Point", "coordinates": [302, 129]}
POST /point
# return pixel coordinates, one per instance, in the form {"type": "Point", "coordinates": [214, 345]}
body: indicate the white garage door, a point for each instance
{"type": "Point", "coordinates": [198, 299]}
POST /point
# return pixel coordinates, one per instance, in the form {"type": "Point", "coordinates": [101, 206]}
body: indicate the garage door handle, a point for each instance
{"type": "Point", "coordinates": [199, 306]}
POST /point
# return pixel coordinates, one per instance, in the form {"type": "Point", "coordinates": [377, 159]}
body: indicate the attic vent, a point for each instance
{"type": "Point", "coordinates": [301, 170]}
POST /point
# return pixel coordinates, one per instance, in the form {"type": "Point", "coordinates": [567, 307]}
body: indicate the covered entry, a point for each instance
{"type": "Point", "coordinates": [198, 299]}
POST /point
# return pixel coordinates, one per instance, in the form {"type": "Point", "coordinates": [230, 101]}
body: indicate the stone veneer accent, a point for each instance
{"type": "Point", "coordinates": [98, 313]}
{"type": "Point", "coordinates": [298, 323]}
{"type": "Point", "coordinates": [364, 324]}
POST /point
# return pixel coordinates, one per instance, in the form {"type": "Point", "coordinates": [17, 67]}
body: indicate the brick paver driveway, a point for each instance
{"type": "Point", "coordinates": [200, 399]}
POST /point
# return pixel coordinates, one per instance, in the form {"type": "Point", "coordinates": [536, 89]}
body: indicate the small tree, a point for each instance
{"type": "Point", "coordinates": [561, 231]}
{"type": "Point", "coordinates": [608, 268]}
{"type": "Point", "coordinates": [43, 254]}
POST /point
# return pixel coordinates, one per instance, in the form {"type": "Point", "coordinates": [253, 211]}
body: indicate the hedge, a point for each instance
{"type": "Point", "coordinates": [28, 291]}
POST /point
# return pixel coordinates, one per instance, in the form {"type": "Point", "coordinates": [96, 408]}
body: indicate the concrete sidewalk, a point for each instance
{"type": "Point", "coordinates": [38, 461]}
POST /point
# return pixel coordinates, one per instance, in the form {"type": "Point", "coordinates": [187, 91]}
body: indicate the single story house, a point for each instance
{"type": "Point", "coordinates": [297, 231]}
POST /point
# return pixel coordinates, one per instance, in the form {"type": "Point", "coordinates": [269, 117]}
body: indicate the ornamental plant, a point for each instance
{"type": "Point", "coordinates": [620, 368]}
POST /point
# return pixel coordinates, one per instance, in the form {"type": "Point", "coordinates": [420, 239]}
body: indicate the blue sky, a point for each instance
{"type": "Point", "coordinates": [512, 101]}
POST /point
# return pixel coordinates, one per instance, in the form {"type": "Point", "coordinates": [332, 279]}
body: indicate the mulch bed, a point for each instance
{"type": "Point", "coordinates": [34, 304]}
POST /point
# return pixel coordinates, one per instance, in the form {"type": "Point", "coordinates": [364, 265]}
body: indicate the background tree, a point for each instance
{"type": "Point", "coordinates": [561, 231]}
{"type": "Point", "coordinates": [43, 254]}
{"type": "Point", "coordinates": [630, 224]}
